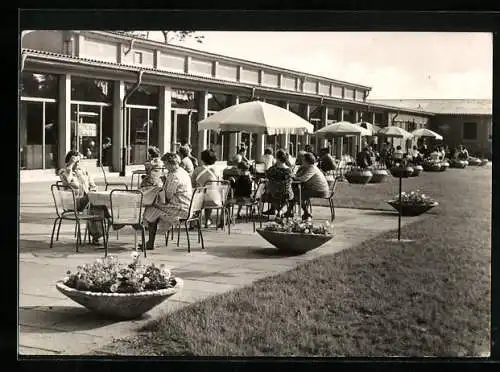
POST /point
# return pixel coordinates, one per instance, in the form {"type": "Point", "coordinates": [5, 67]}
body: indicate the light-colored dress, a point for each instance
{"type": "Point", "coordinates": [268, 161]}
{"type": "Point", "coordinates": [201, 176]}
{"type": "Point", "coordinates": [82, 182]}
{"type": "Point", "coordinates": [177, 192]}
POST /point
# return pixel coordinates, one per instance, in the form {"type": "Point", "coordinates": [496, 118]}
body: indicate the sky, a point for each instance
{"type": "Point", "coordinates": [397, 65]}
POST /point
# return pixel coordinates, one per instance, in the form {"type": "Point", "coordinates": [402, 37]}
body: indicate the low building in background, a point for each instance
{"type": "Point", "coordinates": [467, 122]}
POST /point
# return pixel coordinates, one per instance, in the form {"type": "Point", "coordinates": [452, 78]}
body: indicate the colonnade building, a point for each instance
{"type": "Point", "coordinates": [73, 86]}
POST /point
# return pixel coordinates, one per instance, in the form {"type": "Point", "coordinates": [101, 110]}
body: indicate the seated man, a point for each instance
{"type": "Point", "coordinates": [326, 162]}
{"type": "Point", "coordinates": [363, 159]}
{"type": "Point", "coordinates": [314, 185]}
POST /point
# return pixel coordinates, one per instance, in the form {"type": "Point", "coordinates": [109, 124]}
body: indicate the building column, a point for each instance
{"type": "Point", "coordinates": [341, 114]}
{"type": "Point", "coordinates": [356, 116]}
{"type": "Point", "coordinates": [117, 140]}
{"type": "Point", "coordinates": [324, 123]}
{"type": "Point", "coordinates": [165, 120]}
{"type": "Point", "coordinates": [64, 119]}
{"type": "Point", "coordinates": [373, 118]}
{"type": "Point", "coordinates": [285, 138]}
{"type": "Point", "coordinates": [234, 138]}
{"type": "Point", "coordinates": [202, 114]}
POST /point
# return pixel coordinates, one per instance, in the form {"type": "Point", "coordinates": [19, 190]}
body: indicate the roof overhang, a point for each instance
{"type": "Point", "coordinates": [57, 63]}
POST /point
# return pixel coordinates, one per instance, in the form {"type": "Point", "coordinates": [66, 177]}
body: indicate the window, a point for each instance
{"type": "Point", "coordinates": [469, 131]}
{"type": "Point", "coordinates": [92, 90]}
{"type": "Point", "coordinates": [138, 58]}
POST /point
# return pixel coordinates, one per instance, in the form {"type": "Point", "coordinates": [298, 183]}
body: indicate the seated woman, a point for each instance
{"type": "Point", "coordinates": [313, 185]}
{"type": "Point", "coordinates": [268, 158]}
{"type": "Point", "coordinates": [186, 162]}
{"type": "Point", "coordinates": [204, 174]}
{"type": "Point", "coordinates": [279, 185]}
{"type": "Point", "coordinates": [177, 192]}
{"type": "Point", "coordinates": [242, 185]}
{"type": "Point", "coordinates": [154, 169]}
{"type": "Point", "coordinates": [79, 179]}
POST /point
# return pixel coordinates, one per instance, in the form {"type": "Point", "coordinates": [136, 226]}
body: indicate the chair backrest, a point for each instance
{"type": "Point", "coordinates": [333, 184]}
{"type": "Point", "coordinates": [197, 201]}
{"type": "Point", "coordinates": [104, 174]}
{"type": "Point", "coordinates": [260, 190]}
{"type": "Point", "coordinates": [221, 186]}
{"type": "Point", "coordinates": [64, 199]}
{"type": "Point", "coordinates": [126, 207]}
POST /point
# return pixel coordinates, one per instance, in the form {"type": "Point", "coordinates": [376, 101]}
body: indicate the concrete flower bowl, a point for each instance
{"type": "Point", "coordinates": [417, 170]}
{"type": "Point", "coordinates": [458, 164]}
{"type": "Point", "coordinates": [361, 177]}
{"type": "Point", "coordinates": [432, 167]}
{"type": "Point", "coordinates": [379, 176]}
{"type": "Point", "coordinates": [410, 210]}
{"type": "Point", "coordinates": [119, 305]}
{"type": "Point", "coordinates": [294, 242]}
{"type": "Point", "coordinates": [474, 161]}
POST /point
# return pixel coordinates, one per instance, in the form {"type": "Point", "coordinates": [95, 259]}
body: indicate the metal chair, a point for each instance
{"type": "Point", "coordinates": [126, 210]}
{"type": "Point", "coordinates": [194, 214]}
{"type": "Point", "coordinates": [122, 184]}
{"type": "Point", "coordinates": [67, 209]}
{"type": "Point", "coordinates": [224, 187]}
{"type": "Point", "coordinates": [332, 185]}
{"type": "Point", "coordinates": [255, 201]}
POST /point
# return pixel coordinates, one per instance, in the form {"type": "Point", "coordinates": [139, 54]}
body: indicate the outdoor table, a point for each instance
{"type": "Point", "coordinates": [102, 199]}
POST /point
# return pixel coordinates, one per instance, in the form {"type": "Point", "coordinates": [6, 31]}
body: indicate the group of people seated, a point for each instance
{"type": "Point", "coordinates": [171, 178]}
{"type": "Point", "coordinates": [390, 156]}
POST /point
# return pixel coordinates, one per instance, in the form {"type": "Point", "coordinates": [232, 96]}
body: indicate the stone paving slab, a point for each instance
{"type": "Point", "coordinates": [52, 324]}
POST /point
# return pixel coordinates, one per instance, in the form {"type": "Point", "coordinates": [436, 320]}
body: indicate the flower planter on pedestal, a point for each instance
{"type": "Point", "coordinates": [417, 170]}
{"type": "Point", "coordinates": [401, 172]}
{"type": "Point", "coordinates": [408, 210]}
{"type": "Point", "coordinates": [359, 176]}
{"type": "Point", "coordinates": [444, 166]}
{"type": "Point", "coordinates": [119, 305]}
{"type": "Point", "coordinates": [474, 161]}
{"type": "Point", "coordinates": [458, 163]}
{"type": "Point", "coordinates": [379, 175]}
{"type": "Point", "coordinates": [294, 242]}
{"type": "Point", "coordinates": [432, 167]}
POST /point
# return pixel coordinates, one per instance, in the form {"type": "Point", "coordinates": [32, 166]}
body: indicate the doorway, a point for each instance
{"type": "Point", "coordinates": [184, 129]}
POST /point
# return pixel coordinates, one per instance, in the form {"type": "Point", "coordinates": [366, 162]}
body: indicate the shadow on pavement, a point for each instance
{"type": "Point", "coordinates": [59, 319]}
{"type": "Point", "coordinates": [65, 248]}
{"type": "Point", "coordinates": [245, 252]}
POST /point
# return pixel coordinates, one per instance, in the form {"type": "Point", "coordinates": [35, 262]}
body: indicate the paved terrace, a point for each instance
{"type": "Point", "coordinates": [51, 324]}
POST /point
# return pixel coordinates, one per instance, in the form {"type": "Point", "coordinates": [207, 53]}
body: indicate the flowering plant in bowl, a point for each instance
{"type": "Point", "coordinates": [108, 275]}
{"type": "Point", "coordinates": [413, 203]}
{"type": "Point", "coordinates": [119, 290]}
{"type": "Point", "coordinates": [414, 197]}
{"type": "Point", "coordinates": [293, 225]}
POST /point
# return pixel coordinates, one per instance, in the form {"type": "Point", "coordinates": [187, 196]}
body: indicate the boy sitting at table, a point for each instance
{"type": "Point", "coordinates": [242, 186]}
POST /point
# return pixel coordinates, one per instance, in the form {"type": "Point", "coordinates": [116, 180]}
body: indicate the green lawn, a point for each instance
{"type": "Point", "coordinates": [429, 297]}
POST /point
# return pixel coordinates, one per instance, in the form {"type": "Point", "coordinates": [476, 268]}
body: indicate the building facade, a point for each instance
{"type": "Point", "coordinates": [467, 122]}
{"type": "Point", "coordinates": [104, 92]}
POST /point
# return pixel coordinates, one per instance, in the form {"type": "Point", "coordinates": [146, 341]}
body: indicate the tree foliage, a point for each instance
{"type": "Point", "coordinates": [169, 36]}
